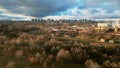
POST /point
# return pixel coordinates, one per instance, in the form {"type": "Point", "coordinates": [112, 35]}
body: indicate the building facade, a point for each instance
{"type": "Point", "coordinates": [110, 24]}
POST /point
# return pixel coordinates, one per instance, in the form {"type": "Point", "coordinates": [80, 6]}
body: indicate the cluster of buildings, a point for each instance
{"type": "Point", "coordinates": [62, 21]}
{"type": "Point", "coordinates": [110, 24]}
{"type": "Point", "coordinates": [111, 37]}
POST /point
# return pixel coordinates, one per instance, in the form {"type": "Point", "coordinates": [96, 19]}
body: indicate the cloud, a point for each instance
{"type": "Point", "coordinates": [88, 13]}
{"type": "Point", "coordinates": [6, 14]}
{"type": "Point", "coordinates": [93, 9]}
{"type": "Point", "coordinates": [37, 8]}
{"type": "Point", "coordinates": [59, 9]}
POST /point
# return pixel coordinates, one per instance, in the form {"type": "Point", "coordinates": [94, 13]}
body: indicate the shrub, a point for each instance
{"type": "Point", "coordinates": [37, 56]}
{"type": "Point", "coordinates": [19, 53]}
{"type": "Point", "coordinates": [11, 64]}
{"type": "Point", "coordinates": [63, 56]}
{"type": "Point", "coordinates": [49, 60]}
{"type": "Point", "coordinates": [91, 64]}
{"type": "Point", "coordinates": [115, 65]}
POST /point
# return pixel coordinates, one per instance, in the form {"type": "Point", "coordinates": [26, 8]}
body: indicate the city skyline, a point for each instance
{"type": "Point", "coordinates": [59, 9]}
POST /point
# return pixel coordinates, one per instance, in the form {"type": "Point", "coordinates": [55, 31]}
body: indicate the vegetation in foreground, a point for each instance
{"type": "Point", "coordinates": [27, 45]}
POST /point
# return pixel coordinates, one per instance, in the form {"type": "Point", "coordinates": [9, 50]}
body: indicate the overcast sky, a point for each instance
{"type": "Point", "coordinates": [59, 9]}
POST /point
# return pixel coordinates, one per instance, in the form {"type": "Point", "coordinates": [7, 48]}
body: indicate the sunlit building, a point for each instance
{"type": "Point", "coordinates": [110, 24]}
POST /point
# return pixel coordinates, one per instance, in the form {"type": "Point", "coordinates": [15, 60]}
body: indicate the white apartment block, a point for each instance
{"type": "Point", "coordinates": [110, 24]}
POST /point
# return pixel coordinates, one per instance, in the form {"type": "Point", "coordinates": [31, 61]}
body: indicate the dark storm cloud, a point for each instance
{"type": "Point", "coordinates": [36, 8]}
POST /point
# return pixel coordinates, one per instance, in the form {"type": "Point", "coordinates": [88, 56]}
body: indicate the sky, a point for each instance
{"type": "Point", "coordinates": [59, 9]}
